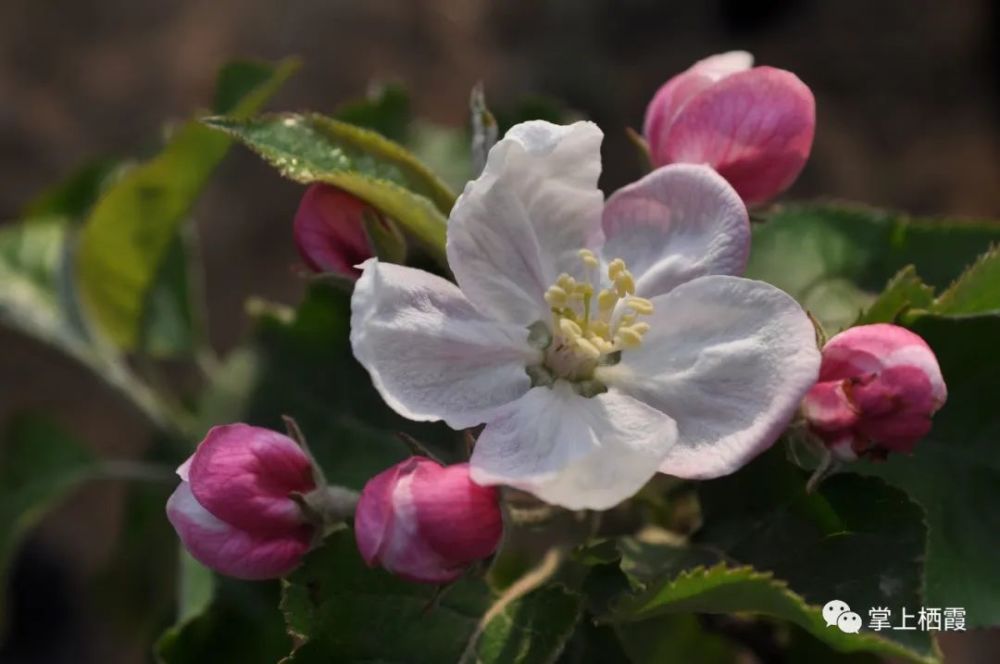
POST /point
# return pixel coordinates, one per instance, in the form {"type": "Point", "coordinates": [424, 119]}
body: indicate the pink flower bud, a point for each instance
{"type": "Point", "coordinates": [233, 509]}
{"type": "Point", "coordinates": [329, 230]}
{"type": "Point", "coordinates": [754, 125]}
{"type": "Point", "coordinates": [427, 523]}
{"type": "Point", "coordinates": [878, 387]}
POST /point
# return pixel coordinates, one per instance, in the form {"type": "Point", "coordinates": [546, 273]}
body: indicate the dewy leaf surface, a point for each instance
{"type": "Point", "coordinates": [314, 148]}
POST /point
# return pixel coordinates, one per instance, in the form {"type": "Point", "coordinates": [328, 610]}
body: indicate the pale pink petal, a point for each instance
{"type": "Point", "coordinates": [729, 359]}
{"type": "Point", "coordinates": [675, 224]}
{"type": "Point", "coordinates": [405, 552]}
{"type": "Point", "coordinates": [827, 407]}
{"type": "Point", "coordinates": [672, 96]}
{"type": "Point", "coordinates": [430, 353]}
{"type": "Point", "coordinates": [522, 222]}
{"type": "Point", "coordinates": [754, 127]}
{"type": "Point", "coordinates": [573, 451]}
{"type": "Point", "coordinates": [870, 348]}
{"type": "Point", "coordinates": [244, 475]}
{"type": "Point", "coordinates": [373, 518]}
{"type": "Point", "coordinates": [184, 469]}
{"type": "Point", "coordinates": [229, 550]}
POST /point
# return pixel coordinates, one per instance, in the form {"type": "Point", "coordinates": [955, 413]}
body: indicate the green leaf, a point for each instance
{"type": "Point", "coordinates": [384, 237]}
{"type": "Point", "coordinates": [767, 546]}
{"type": "Point", "coordinates": [128, 235]}
{"type": "Point", "coordinates": [36, 300]}
{"type": "Point", "coordinates": [337, 607]}
{"type": "Point", "coordinates": [39, 465]}
{"type": "Point", "coordinates": [905, 291]}
{"type": "Point", "coordinates": [822, 543]}
{"type": "Point", "coordinates": [674, 638]}
{"type": "Point", "coordinates": [172, 324]}
{"type": "Point", "coordinates": [195, 591]}
{"type": "Point", "coordinates": [385, 109]}
{"type": "Point", "coordinates": [533, 629]}
{"type": "Point", "coordinates": [74, 196]}
{"type": "Point", "coordinates": [313, 148]}
{"type": "Point", "coordinates": [954, 473]}
{"type": "Point", "coordinates": [30, 258]}
{"type": "Point", "coordinates": [242, 625]}
{"type": "Point", "coordinates": [834, 259]}
{"type": "Point", "coordinates": [977, 291]}
{"type": "Point", "coordinates": [726, 589]}
{"type": "Point", "coordinates": [446, 150]}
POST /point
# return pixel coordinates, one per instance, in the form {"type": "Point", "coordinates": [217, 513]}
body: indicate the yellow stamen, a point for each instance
{"type": "Point", "coordinates": [640, 328]}
{"type": "Point", "coordinates": [607, 299]}
{"type": "Point", "coordinates": [628, 337]}
{"type": "Point", "coordinates": [569, 329]}
{"type": "Point", "coordinates": [556, 296]}
{"type": "Point", "coordinates": [615, 267]}
{"type": "Point", "coordinates": [588, 348]}
{"type": "Point", "coordinates": [640, 305]}
{"type": "Point", "coordinates": [625, 284]}
{"type": "Point", "coordinates": [588, 258]}
{"type": "Point", "coordinates": [587, 320]}
{"type": "Point", "coordinates": [600, 328]}
{"type": "Point", "coordinates": [566, 282]}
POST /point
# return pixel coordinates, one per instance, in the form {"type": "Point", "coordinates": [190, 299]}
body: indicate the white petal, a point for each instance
{"type": "Point", "coordinates": [730, 360]}
{"type": "Point", "coordinates": [522, 222]}
{"type": "Point", "coordinates": [573, 451]}
{"type": "Point", "coordinates": [678, 223]}
{"type": "Point", "coordinates": [430, 353]}
{"type": "Point", "coordinates": [723, 64]}
{"type": "Point", "coordinates": [183, 469]}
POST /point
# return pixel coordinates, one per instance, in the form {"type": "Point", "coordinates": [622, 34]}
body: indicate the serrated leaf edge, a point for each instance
{"type": "Point", "coordinates": [748, 573]}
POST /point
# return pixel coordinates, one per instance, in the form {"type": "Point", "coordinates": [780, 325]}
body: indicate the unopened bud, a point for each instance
{"type": "Point", "coordinates": [878, 387]}
{"type": "Point", "coordinates": [425, 522]}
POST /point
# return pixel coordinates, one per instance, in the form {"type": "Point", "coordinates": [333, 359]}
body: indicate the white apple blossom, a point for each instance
{"type": "Point", "coordinates": [598, 342]}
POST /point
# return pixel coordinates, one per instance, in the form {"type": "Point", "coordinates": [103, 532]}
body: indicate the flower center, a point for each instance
{"type": "Point", "coordinates": [590, 327]}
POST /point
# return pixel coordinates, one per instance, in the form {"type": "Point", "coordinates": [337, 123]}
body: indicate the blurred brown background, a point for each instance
{"type": "Point", "coordinates": [907, 94]}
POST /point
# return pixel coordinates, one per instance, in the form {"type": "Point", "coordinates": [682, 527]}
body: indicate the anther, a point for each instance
{"type": "Point", "coordinates": [625, 284]}
{"type": "Point", "coordinates": [600, 328]}
{"type": "Point", "coordinates": [607, 299]}
{"type": "Point", "coordinates": [640, 305]}
{"type": "Point", "coordinates": [587, 348]}
{"type": "Point", "coordinates": [566, 282]}
{"type": "Point", "coordinates": [603, 345]}
{"type": "Point", "coordinates": [570, 329]}
{"type": "Point", "coordinates": [615, 268]}
{"type": "Point", "coordinates": [641, 328]}
{"type": "Point", "coordinates": [628, 337]}
{"type": "Point", "coordinates": [556, 296]}
{"type": "Point", "coordinates": [588, 258]}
